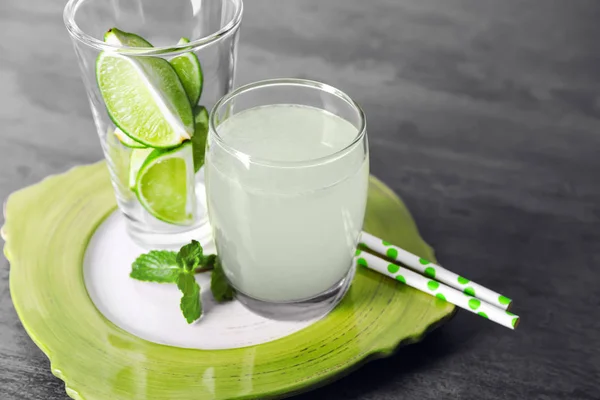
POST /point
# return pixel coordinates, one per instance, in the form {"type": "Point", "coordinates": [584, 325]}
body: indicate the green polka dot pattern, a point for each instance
{"type": "Point", "coordinates": [440, 296]}
{"type": "Point", "coordinates": [401, 279]}
{"type": "Point", "coordinates": [447, 282]}
{"type": "Point", "coordinates": [392, 253]}
{"type": "Point", "coordinates": [430, 272]}
{"type": "Point", "coordinates": [463, 281]}
{"type": "Point", "coordinates": [357, 252]}
{"type": "Point", "coordinates": [393, 268]}
{"type": "Point", "coordinates": [509, 313]}
{"type": "Point", "coordinates": [363, 262]}
{"type": "Point", "coordinates": [474, 304]}
{"type": "Point", "coordinates": [482, 314]}
{"type": "Point", "coordinates": [514, 322]}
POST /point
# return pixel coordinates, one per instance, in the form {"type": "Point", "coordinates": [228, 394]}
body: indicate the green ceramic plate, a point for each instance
{"type": "Point", "coordinates": [47, 229]}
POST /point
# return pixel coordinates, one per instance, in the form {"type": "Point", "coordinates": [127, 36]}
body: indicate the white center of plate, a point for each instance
{"type": "Point", "coordinates": [151, 310]}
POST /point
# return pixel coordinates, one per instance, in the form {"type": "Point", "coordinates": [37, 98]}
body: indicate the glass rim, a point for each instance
{"type": "Point", "coordinates": [303, 83]}
{"type": "Point", "coordinates": [77, 33]}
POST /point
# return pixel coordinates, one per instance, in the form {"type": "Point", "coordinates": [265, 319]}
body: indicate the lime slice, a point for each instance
{"type": "Point", "coordinates": [127, 141]}
{"type": "Point", "coordinates": [189, 71]}
{"type": "Point", "coordinates": [119, 38]}
{"type": "Point", "coordinates": [165, 185]}
{"type": "Point", "coordinates": [136, 160]}
{"type": "Point", "coordinates": [199, 138]}
{"type": "Point", "coordinates": [143, 96]}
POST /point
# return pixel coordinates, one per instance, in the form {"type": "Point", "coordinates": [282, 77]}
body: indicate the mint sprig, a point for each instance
{"type": "Point", "coordinates": [179, 267]}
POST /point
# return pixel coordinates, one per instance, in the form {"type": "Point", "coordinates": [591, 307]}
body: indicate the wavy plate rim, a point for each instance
{"type": "Point", "coordinates": [382, 351]}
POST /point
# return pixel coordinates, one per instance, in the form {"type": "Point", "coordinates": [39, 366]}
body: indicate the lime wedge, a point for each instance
{"type": "Point", "coordinates": [199, 138]}
{"type": "Point", "coordinates": [119, 38]}
{"type": "Point", "coordinates": [143, 96]}
{"type": "Point", "coordinates": [136, 160]}
{"type": "Point", "coordinates": [127, 141]}
{"type": "Point", "coordinates": [189, 71]}
{"type": "Point", "coordinates": [165, 185]}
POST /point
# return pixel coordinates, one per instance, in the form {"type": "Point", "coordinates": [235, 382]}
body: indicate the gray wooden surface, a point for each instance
{"type": "Point", "coordinates": [483, 115]}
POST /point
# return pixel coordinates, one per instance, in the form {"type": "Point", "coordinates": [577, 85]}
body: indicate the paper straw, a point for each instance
{"type": "Point", "coordinates": [435, 271]}
{"type": "Point", "coordinates": [439, 290]}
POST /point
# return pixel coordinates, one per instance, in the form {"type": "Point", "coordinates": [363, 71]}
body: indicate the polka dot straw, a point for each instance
{"type": "Point", "coordinates": [439, 290]}
{"type": "Point", "coordinates": [434, 271]}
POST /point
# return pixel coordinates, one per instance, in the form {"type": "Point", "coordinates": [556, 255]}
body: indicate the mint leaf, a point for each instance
{"type": "Point", "coordinates": [190, 303]}
{"type": "Point", "coordinates": [190, 256]}
{"type": "Point", "coordinates": [156, 266]}
{"type": "Point", "coordinates": [219, 285]}
{"type": "Point", "coordinates": [209, 261]}
{"type": "Point", "coordinates": [199, 137]}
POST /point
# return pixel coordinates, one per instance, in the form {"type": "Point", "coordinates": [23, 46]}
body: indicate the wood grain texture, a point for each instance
{"type": "Point", "coordinates": [483, 115]}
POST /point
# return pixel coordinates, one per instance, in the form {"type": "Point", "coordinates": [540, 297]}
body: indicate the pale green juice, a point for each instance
{"type": "Point", "coordinates": [286, 226]}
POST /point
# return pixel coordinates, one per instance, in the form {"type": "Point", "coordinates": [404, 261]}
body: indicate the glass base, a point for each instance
{"type": "Point", "coordinates": [300, 310]}
{"type": "Point", "coordinates": [152, 234]}
{"type": "Point", "coordinates": [169, 240]}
